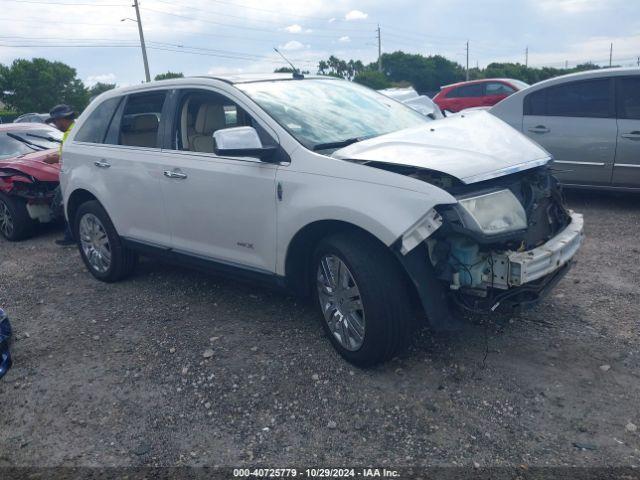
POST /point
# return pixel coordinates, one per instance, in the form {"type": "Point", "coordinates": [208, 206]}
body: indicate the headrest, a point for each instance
{"type": "Point", "coordinates": [210, 118]}
{"type": "Point", "coordinates": [145, 123]}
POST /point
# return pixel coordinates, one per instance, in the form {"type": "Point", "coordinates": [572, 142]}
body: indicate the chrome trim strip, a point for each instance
{"type": "Point", "coordinates": [507, 170]}
{"type": "Point", "coordinates": [569, 162]}
{"type": "Point", "coordinates": [628, 165]}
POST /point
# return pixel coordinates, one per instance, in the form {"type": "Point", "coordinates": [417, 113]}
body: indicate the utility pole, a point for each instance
{"type": "Point", "coordinates": [379, 50]}
{"type": "Point", "coordinates": [142, 45]}
{"type": "Point", "coordinates": [639, 61]}
{"type": "Point", "coordinates": [526, 56]}
{"type": "Point", "coordinates": [611, 55]}
{"type": "Point", "coordinates": [467, 60]}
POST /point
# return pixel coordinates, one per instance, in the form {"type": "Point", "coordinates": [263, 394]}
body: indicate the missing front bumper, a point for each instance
{"type": "Point", "coordinates": [514, 269]}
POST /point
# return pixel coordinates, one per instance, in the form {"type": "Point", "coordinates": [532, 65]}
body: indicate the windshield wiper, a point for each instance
{"type": "Point", "coordinates": [337, 144]}
{"type": "Point", "coordinates": [35, 146]}
{"type": "Point", "coordinates": [44, 137]}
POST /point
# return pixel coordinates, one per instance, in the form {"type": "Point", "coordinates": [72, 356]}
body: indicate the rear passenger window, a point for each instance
{"type": "Point", "coordinates": [536, 103]}
{"type": "Point", "coordinates": [591, 98]}
{"type": "Point", "coordinates": [141, 120]}
{"type": "Point", "coordinates": [497, 88]}
{"type": "Point", "coordinates": [629, 98]}
{"type": "Point", "coordinates": [94, 129]}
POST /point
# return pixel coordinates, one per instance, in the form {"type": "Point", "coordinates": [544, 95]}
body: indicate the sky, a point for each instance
{"type": "Point", "coordinates": [99, 38]}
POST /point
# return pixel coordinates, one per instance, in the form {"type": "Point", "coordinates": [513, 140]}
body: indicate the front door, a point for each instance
{"type": "Point", "coordinates": [219, 209]}
{"type": "Point", "coordinates": [576, 123]}
{"type": "Point", "coordinates": [626, 170]}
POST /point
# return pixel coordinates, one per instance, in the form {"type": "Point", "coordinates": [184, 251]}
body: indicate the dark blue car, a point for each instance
{"type": "Point", "coordinates": [5, 339]}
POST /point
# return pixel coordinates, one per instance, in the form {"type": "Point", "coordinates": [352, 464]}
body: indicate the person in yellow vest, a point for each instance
{"type": "Point", "coordinates": [63, 117]}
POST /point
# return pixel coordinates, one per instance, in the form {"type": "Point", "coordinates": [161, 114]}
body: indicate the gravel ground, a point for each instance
{"type": "Point", "coordinates": [174, 367]}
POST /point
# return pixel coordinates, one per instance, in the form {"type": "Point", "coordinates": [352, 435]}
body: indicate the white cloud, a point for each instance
{"type": "Point", "coordinates": [295, 28]}
{"type": "Point", "coordinates": [101, 78]}
{"type": "Point", "coordinates": [332, 19]}
{"type": "Point", "coordinates": [355, 15]}
{"type": "Point", "coordinates": [292, 45]}
{"type": "Point", "coordinates": [571, 6]}
{"type": "Point", "coordinates": [344, 39]}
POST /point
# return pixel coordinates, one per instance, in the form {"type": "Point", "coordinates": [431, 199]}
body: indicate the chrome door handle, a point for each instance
{"type": "Point", "coordinates": [631, 135]}
{"type": "Point", "coordinates": [102, 164]}
{"type": "Point", "coordinates": [174, 174]}
{"type": "Point", "coordinates": [539, 129]}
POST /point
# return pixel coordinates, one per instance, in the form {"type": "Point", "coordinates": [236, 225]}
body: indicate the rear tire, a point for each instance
{"type": "Point", "coordinates": [100, 246]}
{"type": "Point", "coordinates": [370, 306]}
{"type": "Point", "coordinates": [15, 222]}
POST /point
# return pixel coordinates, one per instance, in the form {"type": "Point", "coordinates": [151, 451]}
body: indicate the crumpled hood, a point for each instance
{"type": "Point", "coordinates": [471, 147]}
{"type": "Point", "coordinates": [33, 165]}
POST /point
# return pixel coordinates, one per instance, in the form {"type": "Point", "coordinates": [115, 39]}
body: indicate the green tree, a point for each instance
{"type": "Point", "coordinates": [288, 70]}
{"type": "Point", "coordinates": [168, 75]}
{"type": "Point", "coordinates": [99, 88]}
{"type": "Point", "coordinates": [426, 74]}
{"type": "Point", "coordinates": [37, 85]}
{"type": "Point", "coordinates": [372, 79]}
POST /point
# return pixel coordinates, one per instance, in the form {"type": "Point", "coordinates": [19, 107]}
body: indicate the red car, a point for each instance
{"type": "Point", "coordinates": [29, 177]}
{"type": "Point", "coordinates": [476, 93]}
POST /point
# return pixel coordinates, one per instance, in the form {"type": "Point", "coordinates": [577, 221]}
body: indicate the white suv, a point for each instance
{"type": "Point", "coordinates": [325, 187]}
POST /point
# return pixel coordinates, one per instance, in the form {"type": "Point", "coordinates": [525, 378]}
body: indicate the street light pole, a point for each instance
{"type": "Point", "coordinates": [142, 44]}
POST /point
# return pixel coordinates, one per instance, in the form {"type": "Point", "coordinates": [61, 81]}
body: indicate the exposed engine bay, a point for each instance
{"type": "Point", "coordinates": [507, 238]}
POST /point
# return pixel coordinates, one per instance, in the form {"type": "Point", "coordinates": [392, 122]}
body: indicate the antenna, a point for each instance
{"type": "Point", "coordinates": [296, 73]}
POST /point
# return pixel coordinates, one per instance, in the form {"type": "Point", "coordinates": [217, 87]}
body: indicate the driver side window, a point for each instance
{"type": "Point", "coordinates": [200, 114]}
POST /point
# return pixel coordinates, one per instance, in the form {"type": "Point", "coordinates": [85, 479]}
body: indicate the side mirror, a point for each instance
{"type": "Point", "coordinates": [241, 142]}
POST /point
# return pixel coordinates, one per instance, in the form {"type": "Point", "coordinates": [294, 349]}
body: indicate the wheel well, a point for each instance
{"type": "Point", "coordinates": [76, 199]}
{"type": "Point", "coordinates": [303, 244]}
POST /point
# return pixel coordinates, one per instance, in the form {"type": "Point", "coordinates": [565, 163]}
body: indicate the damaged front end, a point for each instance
{"type": "Point", "coordinates": [504, 245]}
{"type": "Point", "coordinates": [39, 196]}
{"type": "Point", "coordinates": [506, 242]}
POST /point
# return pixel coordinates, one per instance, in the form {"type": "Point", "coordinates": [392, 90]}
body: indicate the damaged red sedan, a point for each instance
{"type": "Point", "coordinates": [29, 172]}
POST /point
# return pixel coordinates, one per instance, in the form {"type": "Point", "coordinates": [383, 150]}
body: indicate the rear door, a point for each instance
{"type": "Point", "coordinates": [576, 123]}
{"type": "Point", "coordinates": [125, 170]}
{"type": "Point", "coordinates": [626, 170]}
{"type": "Point", "coordinates": [465, 96]}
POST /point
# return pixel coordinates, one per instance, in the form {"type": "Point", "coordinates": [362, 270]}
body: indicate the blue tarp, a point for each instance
{"type": "Point", "coordinates": [5, 339]}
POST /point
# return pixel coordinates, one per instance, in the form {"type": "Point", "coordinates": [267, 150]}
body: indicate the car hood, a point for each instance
{"type": "Point", "coordinates": [34, 165]}
{"type": "Point", "coordinates": [471, 147]}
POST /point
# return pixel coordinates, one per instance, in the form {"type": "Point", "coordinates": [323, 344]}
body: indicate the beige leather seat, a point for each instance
{"type": "Point", "coordinates": [143, 131]}
{"type": "Point", "coordinates": [209, 119]}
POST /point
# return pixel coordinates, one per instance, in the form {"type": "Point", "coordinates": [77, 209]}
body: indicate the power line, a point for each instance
{"type": "Point", "coordinates": [230, 25]}
{"type": "Point", "coordinates": [42, 2]}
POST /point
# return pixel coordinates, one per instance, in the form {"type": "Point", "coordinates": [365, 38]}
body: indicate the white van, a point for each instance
{"type": "Point", "coordinates": [325, 187]}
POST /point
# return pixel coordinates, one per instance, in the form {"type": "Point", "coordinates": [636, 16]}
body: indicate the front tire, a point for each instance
{"type": "Point", "coordinates": [15, 222]}
{"type": "Point", "coordinates": [363, 298]}
{"type": "Point", "coordinates": [100, 246]}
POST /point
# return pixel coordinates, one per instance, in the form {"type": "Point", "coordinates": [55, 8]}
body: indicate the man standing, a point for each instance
{"type": "Point", "coordinates": [62, 117]}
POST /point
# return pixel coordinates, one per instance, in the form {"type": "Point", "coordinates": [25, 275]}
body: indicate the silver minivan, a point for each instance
{"type": "Point", "coordinates": [589, 122]}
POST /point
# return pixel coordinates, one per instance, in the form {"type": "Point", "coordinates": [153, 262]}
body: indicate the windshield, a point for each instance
{"type": "Point", "coordinates": [35, 139]}
{"type": "Point", "coordinates": [330, 112]}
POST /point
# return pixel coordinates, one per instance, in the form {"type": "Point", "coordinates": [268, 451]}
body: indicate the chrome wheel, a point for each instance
{"type": "Point", "coordinates": [341, 302]}
{"type": "Point", "coordinates": [6, 220]}
{"type": "Point", "coordinates": [95, 243]}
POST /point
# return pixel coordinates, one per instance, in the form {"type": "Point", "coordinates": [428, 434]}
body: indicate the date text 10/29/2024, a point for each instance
{"type": "Point", "coordinates": [315, 473]}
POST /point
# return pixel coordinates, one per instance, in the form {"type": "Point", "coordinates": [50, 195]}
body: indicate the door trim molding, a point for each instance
{"type": "Point", "coordinates": [569, 162]}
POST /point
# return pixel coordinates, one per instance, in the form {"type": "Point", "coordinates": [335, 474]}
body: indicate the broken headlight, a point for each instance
{"type": "Point", "coordinates": [493, 213]}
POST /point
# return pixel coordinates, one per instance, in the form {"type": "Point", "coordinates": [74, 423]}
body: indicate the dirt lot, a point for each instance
{"type": "Point", "coordinates": [115, 374]}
